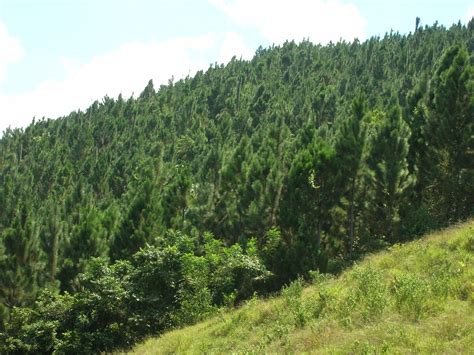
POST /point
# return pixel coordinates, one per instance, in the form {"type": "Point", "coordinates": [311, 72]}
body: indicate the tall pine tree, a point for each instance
{"type": "Point", "coordinates": [389, 177]}
{"type": "Point", "coordinates": [349, 147]}
{"type": "Point", "coordinates": [450, 135]}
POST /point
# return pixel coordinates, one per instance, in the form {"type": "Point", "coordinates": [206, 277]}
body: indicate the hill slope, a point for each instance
{"type": "Point", "coordinates": [417, 297]}
{"type": "Point", "coordinates": [143, 215]}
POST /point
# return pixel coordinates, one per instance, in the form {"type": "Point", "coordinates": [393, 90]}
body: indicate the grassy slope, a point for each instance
{"type": "Point", "coordinates": [414, 298]}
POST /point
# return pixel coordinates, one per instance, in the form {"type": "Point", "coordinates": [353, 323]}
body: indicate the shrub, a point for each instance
{"type": "Point", "coordinates": [411, 295]}
{"type": "Point", "coordinates": [28, 334]}
{"type": "Point", "coordinates": [369, 296]}
{"type": "Point", "coordinates": [195, 305]}
{"type": "Point", "coordinates": [117, 304]}
{"type": "Point", "coordinates": [444, 278]}
{"type": "Point", "coordinates": [317, 277]}
{"type": "Point", "coordinates": [293, 301]}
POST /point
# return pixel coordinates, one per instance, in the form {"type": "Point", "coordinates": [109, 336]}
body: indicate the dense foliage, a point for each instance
{"type": "Point", "coordinates": [143, 214]}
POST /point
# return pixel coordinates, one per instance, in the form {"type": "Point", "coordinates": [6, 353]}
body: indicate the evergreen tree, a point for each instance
{"type": "Point", "coordinates": [130, 236]}
{"type": "Point", "coordinates": [20, 264]}
{"type": "Point", "coordinates": [308, 201]}
{"type": "Point", "coordinates": [389, 177]}
{"type": "Point", "coordinates": [86, 240]}
{"type": "Point", "coordinates": [52, 234]}
{"type": "Point", "coordinates": [349, 149]}
{"type": "Point", "coordinates": [450, 135]}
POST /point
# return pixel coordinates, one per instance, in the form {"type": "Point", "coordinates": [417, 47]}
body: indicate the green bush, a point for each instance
{"type": "Point", "coordinates": [118, 304]}
{"type": "Point", "coordinates": [293, 301]}
{"type": "Point", "coordinates": [469, 244]}
{"type": "Point", "coordinates": [411, 295]}
{"type": "Point", "coordinates": [370, 292]}
{"type": "Point", "coordinates": [28, 334]}
{"type": "Point", "coordinates": [195, 305]}
{"type": "Point", "coordinates": [444, 278]}
{"type": "Point", "coordinates": [318, 278]}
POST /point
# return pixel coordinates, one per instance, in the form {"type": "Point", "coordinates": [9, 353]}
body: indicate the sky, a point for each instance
{"type": "Point", "coordinates": [58, 56]}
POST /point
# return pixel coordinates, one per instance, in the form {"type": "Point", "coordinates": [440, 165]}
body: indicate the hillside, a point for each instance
{"type": "Point", "coordinates": [413, 298]}
{"type": "Point", "coordinates": [140, 215]}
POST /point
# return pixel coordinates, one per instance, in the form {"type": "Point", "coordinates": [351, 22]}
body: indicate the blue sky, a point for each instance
{"type": "Point", "coordinates": [60, 55]}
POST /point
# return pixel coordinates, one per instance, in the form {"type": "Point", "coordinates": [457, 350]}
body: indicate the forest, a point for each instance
{"type": "Point", "coordinates": [144, 214]}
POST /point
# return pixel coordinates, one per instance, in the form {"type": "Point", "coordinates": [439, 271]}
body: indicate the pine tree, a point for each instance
{"type": "Point", "coordinates": [21, 262]}
{"type": "Point", "coordinates": [148, 92]}
{"type": "Point", "coordinates": [389, 177]}
{"type": "Point", "coordinates": [349, 149]}
{"type": "Point", "coordinates": [86, 240]}
{"type": "Point", "coordinates": [51, 235]}
{"type": "Point", "coordinates": [450, 135]}
{"type": "Point", "coordinates": [129, 236]}
{"type": "Point", "coordinates": [307, 204]}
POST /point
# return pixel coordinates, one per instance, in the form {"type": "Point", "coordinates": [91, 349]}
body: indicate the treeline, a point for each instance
{"type": "Point", "coordinates": [143, 214]}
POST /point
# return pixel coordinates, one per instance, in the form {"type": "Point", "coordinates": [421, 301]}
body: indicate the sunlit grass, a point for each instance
{"type": "Point", "coordinates": [412, 298]}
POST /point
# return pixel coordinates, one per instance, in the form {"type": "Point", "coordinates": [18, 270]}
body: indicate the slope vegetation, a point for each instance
{"type": "Point", "coordinates": [412, 298]}
{"type": "Point", "coordinates": [141, 215]}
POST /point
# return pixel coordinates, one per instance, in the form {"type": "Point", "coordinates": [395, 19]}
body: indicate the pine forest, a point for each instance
{"type": "Point", "coordinates": [140, 215]}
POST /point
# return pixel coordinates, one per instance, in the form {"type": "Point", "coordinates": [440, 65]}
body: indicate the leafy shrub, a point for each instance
{"type": "Point", "coordinates": [444, 278]}
{"type": "Point", "coordinates": [118, 304]}
{"type": "Point", "coordinates": [411, 295]}
{"type": "Point", "coordinates": [278, 331]}
{"type": "Point", "coordinates": [28, 333]}
{"type": "Point", "coordinates": [318, 277]}
{"type": "Point", "coordinates": [364, 348]}
{"type": "Point", "coordinates": [469, 244]}
{"type": "Point", "coordinates": [370, 292]}
{"type": "Point", "coordinates": [195, 305]}
{"type": "Point", "coordinates": [293, 301]}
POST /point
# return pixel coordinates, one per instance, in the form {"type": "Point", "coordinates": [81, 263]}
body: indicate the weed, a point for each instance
{"type": "Point", "coordinates": [369, 294]}
{"type": "Point", "coordinates": [318, 278]}
{"type": "Point", "coordinates": [443, 277]}
{"type": "Point", "coordinates": [469, 244]}
{"type": "Point", "coordinates": [317, 305]}
{"type": "Point", "coordinates": [411, 295]}
{"type": "Point", "coordinates": [293, 301]}
{"type": "Point", "coordinates": [363, 348]}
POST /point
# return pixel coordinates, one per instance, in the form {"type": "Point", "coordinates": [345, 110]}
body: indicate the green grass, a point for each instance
{"type": "Point", "coordinates": [412, 298]}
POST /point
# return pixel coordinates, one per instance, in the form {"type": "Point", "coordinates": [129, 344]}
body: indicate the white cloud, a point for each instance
{"type": "Point", "coordinates": [10, 50]}
{"type": "Point", "coordinates": [125, 70]}
{"type": "Point", "coordinates": [234, 45]}
{"type": "Point", "coordinates": [469, 14]}
{"type": "Point", "coordinates": [278, 20]}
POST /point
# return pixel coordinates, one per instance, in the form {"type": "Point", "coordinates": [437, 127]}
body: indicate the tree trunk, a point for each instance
{"type": "Point", "coordinates": [352, 218]}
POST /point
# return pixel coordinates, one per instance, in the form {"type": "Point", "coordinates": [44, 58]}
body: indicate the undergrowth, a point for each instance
{"type": "Point", "coordinates": [413, 298]}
